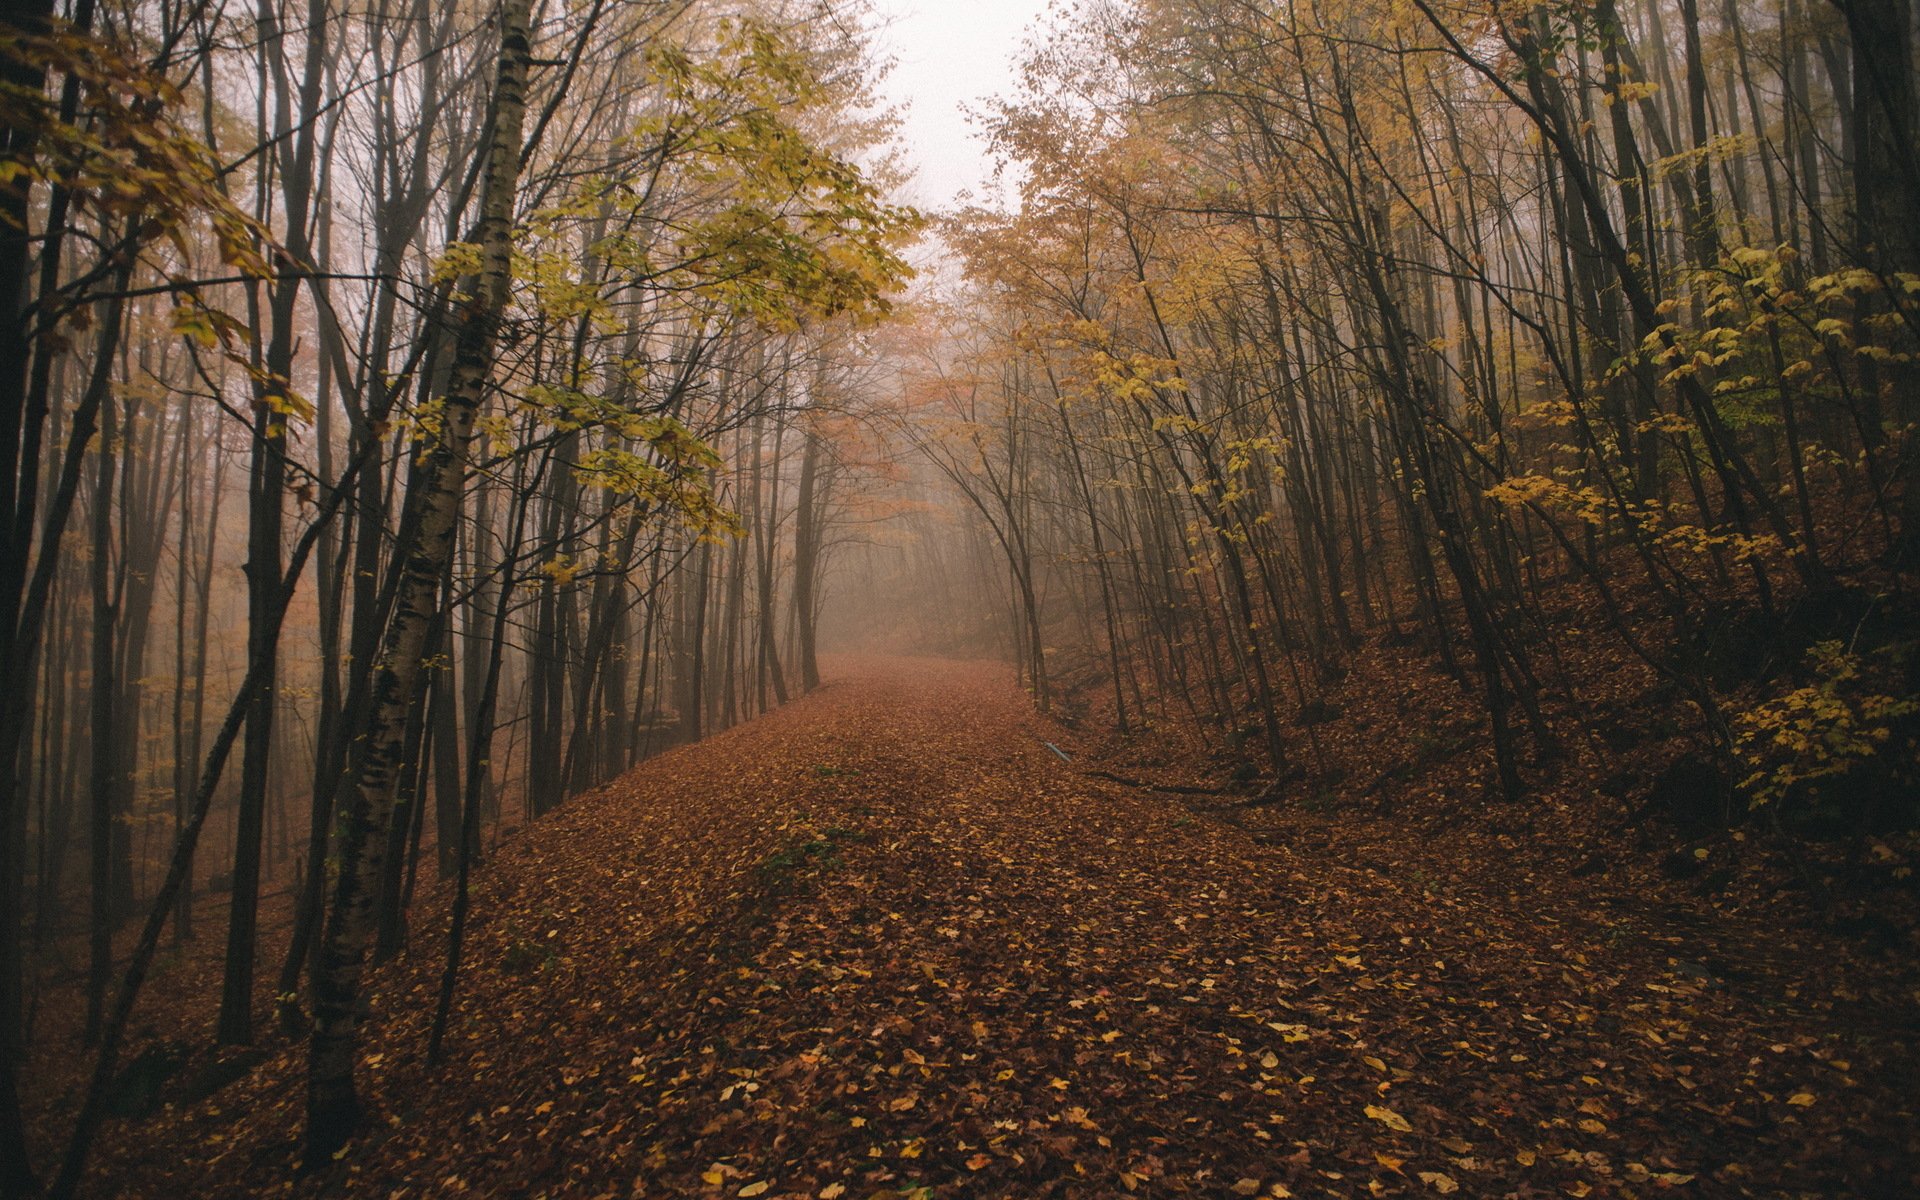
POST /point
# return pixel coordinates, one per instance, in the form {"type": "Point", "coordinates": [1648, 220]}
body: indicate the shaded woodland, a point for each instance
{"type": "Point", "coordinates": [418, 416]}
{"type": "Point", "coordinates": [1437, 321]}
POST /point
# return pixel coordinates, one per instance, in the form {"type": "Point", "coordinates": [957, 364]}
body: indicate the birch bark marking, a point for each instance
{"type": "Point", "coordinates": [333, 1105]}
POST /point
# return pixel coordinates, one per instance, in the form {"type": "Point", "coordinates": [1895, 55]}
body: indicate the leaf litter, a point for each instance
{"type": "Point", "coordinates": [884, 944]}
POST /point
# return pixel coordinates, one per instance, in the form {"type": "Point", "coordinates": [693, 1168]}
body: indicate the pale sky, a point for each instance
{"type": "Point", "coordinates": [949, 54]}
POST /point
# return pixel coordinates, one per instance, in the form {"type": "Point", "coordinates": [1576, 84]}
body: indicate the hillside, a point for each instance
{"type": "Point", "coordinates": [884, 942]}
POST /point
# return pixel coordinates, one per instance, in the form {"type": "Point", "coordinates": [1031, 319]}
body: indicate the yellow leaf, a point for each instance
{"type": "Point", "coordinates": [1589, 1125]}
{"type": "Point", "coordinates": [1389, 1162]}
{"type": "Point", "coordinates": [1525, 1158]}
{"type": "Point", "coordinates": [1801, 1099]}
{"type": "Point", "coordinates": [833, 1191]}
{"type": "Point", "coordinates": [1439, 1181]}
{"type": "Point", "coordinates": [1375, 1063]}
{"type": "Point", "coordinates": [1389, 1118]}
{"type": "Point", "coordinates": [754, 1189]}
{"type": "Point", "coordinates": [189, 321]}
{"type": "Point", "coordinates": [714, 1176]}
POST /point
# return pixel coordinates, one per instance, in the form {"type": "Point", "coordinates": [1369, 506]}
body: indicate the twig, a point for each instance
{"type": "Point", "coordinates": [1171, 788]}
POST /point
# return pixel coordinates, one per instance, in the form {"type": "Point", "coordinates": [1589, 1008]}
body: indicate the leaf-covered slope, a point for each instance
{"type": "Point", "coordinates": [883, 942]}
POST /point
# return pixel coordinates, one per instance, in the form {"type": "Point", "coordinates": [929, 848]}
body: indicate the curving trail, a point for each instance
{"type": "Point", "coordinates": [883, 943]}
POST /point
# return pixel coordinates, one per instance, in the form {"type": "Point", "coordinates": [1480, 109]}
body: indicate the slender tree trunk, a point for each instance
{"type": "Point", "coordinates": [333, 1103]}
{"type": "Point", "coordinates": [806, 545]}
{"type": "Point", "coordinates": [267, 498]}
{"type": "Point", "coordinates": [103, 751]}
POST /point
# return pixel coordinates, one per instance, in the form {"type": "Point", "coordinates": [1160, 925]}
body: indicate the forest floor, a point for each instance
{"type": "Point", "coordinates": [884, 943]}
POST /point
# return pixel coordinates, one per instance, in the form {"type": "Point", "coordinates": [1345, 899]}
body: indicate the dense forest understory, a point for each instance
{"type": "Point", "coordinates": [885, 942]}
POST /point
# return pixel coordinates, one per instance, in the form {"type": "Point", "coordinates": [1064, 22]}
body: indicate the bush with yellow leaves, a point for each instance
{"type": "Point", "coordinates": [1848, 739]}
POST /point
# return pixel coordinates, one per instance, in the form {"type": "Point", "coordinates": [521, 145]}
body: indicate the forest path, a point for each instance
{"type": "Point", "coordinates": [883, 943]}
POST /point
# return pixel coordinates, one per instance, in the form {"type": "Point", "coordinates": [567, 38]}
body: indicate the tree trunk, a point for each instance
{"type": "Point", "coordinates": [333, 1104]}
{"type": "Point", "coordinates": [806, 546]}
{"type": "Point", "coordinates": [267, 501]}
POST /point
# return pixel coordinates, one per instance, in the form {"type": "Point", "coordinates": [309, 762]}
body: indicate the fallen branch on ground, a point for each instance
{"type": "Point", "coordinates": [1171, 788]}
